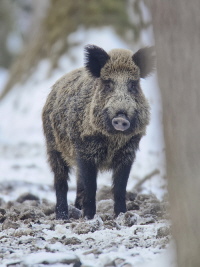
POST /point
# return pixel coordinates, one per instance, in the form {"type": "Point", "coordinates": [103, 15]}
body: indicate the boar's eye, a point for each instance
{"type": "Point", "coordinates": [108, 85]}
{"type": "Point", "coordinates": [133, 86]}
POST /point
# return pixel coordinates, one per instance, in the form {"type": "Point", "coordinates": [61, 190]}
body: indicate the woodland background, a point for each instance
{"type": "Point", "coordinates": [42, 40]}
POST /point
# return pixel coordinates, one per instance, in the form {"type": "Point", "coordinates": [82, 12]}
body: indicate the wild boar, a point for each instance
{"type": "Point", "coordinates": [94, 119]}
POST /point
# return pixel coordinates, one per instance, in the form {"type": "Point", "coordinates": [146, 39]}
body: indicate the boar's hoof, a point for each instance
{"type": "Point", "coordinates": [62, 216]}
{"type": "Point", "coordinates": [88, 214]}
{"type": "Point", "coordinates": [120, 123]}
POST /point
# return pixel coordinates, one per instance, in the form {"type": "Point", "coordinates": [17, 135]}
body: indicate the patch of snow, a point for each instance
{"type": "Point", "coordinates": [166, 259]}
{"type": "Point", "coordinates": [49, 258]}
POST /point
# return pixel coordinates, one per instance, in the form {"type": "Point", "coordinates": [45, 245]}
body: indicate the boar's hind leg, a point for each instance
{"type": "Point", "coordinates": [79, 194]}
{"type": "Point", "coordinates": [120, 179]}
{"type": "Point", "coordinates": [86, 187]}
{"type": "Point", "coordinates": [61, 170]}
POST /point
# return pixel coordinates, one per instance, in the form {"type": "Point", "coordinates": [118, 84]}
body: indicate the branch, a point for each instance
{"type": "Point", "coordinates": [147, 177]}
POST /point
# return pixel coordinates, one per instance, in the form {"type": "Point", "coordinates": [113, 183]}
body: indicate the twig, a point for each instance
{"type": "Point", "coordinates": [147, 177]}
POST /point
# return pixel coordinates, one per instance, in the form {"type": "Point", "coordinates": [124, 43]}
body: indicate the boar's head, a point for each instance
{"type": "Point", "coordinates": [118, 105]}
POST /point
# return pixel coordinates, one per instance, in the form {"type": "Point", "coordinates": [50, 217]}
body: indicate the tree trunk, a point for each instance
{"type": "Point", "coordinates": [177, 36]}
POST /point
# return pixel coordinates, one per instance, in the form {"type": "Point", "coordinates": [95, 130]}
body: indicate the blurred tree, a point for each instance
{"type": "Point", "coordinates": [17, 17]}
{"type": "Point", "coordinates": [6, 22]}
{"type": "Point", "coordinates": [64, 17]}
{"type": "Point", "coordinates": [176, 25]}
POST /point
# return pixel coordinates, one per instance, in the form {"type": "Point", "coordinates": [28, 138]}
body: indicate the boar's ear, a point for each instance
{"type": "Point", "coordinates": [145, 59]}
{"type": "Point", "coordinates": [95, 59]}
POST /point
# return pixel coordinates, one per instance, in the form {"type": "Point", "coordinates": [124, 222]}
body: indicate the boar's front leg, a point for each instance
{"type": "Point", "coordinates": [61, 170]}
{"type": "Point", "coordinates": [120, 179]}
{"type": "Point", "coordinates": [87, 186]}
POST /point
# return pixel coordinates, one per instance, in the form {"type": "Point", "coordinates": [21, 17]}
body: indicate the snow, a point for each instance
{"type": "Point", "coordinates": [49, 258]}
{"type": "Point", "coordinates": [23, 159]}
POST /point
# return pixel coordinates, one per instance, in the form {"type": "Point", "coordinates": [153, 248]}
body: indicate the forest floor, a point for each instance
{"type": "Point", "coordinates": [30, 235]}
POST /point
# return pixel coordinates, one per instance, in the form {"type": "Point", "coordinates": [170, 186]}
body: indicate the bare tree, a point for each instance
{"type": "Point", "coordinates": [177, 35]}
{"type": "Point", "coordinates": [65, 17]}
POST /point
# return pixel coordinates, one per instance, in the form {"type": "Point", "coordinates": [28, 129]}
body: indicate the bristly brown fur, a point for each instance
{"type": "Point", "coordinates": [77, 121]}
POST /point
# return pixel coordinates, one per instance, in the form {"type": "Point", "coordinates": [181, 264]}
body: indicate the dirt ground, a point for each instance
{"type": "Point", "coordinates": [30, 235]}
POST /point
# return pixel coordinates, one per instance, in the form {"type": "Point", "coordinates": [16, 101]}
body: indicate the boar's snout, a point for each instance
{"type": "Point", "coordinates": [120, 122]}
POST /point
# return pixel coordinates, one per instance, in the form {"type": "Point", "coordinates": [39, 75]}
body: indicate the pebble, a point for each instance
{"type": "Point", "coordinates": [71, 241]}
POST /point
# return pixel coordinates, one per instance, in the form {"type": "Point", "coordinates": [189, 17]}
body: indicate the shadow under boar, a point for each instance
{"type": "Point", "coordinates": [93, 120]}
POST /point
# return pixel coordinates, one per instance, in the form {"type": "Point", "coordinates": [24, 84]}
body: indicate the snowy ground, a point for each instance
{"type": "Point", "coordinates": [29, 235]}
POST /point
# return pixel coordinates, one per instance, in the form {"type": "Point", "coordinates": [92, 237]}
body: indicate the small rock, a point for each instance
{"type": "Point", "coordinates": [106, 216]}
{"type": "Point", "coordinates": [153, 209]}
{"type": "Point", "coordinates": [82, 228]}
{"type": "Point", "coordinates": [16, 210]}
{"type": "Point", "coordinates": [52, 227]}
{"type": "Point", "coordinates": [163, 232]}
{"type": "Point", "coordinates": [53, 240]}
{"type": "Point", "coordinates": [127, 219]}
{"type": "Point", "coordinates": [110, 224]}
{"type": "Point", "coordinates": [93, 251]}
{"type": "Point", "coordinates": [131, 196]}
{"type": "Point", "coordinates": [146, 220]}
{"type": "Point", "coordinates": [9, 204]}
{"type": "Point", "coordinates": [130, 218]}
{"type": "Point", "coordinates": [27, 196]}
{"type": "Point", "coordinates": [7, 224]}
{"type": "Point", "coordinates": [48, 210]}
{"type": "Point", "coordinates": [2, 215]}
{"type": "Point", "coordinates": [71, 241]}
{"type": "Point", "coordinates": [2, 211]}
{"type": "Point", "coordinates": [116, 262]}
{"type": "Point", "coordinates": [131, 205]}
{"type": "Point", "coordinates": [90, 226]}
{"type": "Point", "coordinates": [31, 214]}
{"type": "Point", "coordinates": [31, 203]}
{"type": "Point", "coordinates": [74, 212]}
{"type": "Point", "coordinates": [105, 206]}
{"type": "Point", "coordinates": [141, 198]}
{"type": "Point", "coordinates": [2, 218]}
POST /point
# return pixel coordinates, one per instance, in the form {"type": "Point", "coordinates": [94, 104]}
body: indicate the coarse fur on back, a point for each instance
{"type": "Point", "coordinates": [93, 119]}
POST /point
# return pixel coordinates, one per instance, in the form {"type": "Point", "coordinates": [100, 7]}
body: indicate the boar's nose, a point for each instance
{"type": "Point", "coordinates": [120, 123]}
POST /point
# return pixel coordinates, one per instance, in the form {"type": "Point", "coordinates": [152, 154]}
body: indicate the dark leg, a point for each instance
{"type": "Point", "coordinates": [61, 170]}
{"type": "Point", "coordinates": [87, 173]}
{"type": "Point", "coordinates": [79, 194]}
{"type": "Point", "coordinates": [120, 179]}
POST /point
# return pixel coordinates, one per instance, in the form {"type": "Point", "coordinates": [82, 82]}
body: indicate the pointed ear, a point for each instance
{"type": "Point", "coordinates": [145, 59]}
{"type": "Point", "coordinates": [95, 59]}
